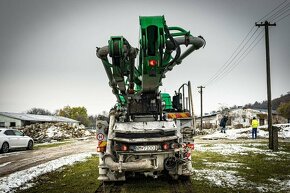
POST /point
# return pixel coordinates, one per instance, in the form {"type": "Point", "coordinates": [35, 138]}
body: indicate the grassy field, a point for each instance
{"type": "Point", "coordinates": [254, 169]}
{"type": "Point", "coordinates": [247, 167]}
{"type": "Point", "coordinates": [81, 177]}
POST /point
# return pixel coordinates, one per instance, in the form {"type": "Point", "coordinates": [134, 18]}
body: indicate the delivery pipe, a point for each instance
{"type": "Point", "coordinates": [195, 42]}
{"type": "Point", "coordinates": [144, 164]}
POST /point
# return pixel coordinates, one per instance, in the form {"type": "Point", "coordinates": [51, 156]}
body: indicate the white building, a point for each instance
{"type": "Point", "coordinates": [209, 121]}
{"type": "Point", "coordinates": [23, 119]}
{"type": "Point", "coordinates": [239, 117]}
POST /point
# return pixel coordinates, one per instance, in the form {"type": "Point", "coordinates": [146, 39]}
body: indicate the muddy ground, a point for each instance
{"type": "Point", "coordinates": [18, 160]}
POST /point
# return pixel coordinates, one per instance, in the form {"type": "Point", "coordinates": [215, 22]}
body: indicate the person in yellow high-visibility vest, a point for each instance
{"type": "Point", "coordinates": [255, 124]}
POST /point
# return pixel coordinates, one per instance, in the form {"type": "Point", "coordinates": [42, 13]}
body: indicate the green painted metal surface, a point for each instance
{"type": "Point", "coordinates": [152, 40]}
{"type": "Point", "coordinates": [165, 97]}
{"type": "Point", "coordinates": [159, 52]}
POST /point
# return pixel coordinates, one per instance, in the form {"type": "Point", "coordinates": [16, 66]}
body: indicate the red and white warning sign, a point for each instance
{"type": "Point", "coordinates": [100, 136]}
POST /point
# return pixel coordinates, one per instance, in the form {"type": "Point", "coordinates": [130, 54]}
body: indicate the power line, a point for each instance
{"type": "Point", "coordinates": [278, 12]}
{"type": "Point", "coordinates": [244, 55]}
{"type": "Point", "coordinates": [222, 68]}
{"type": "Point", "coordinates": [283, 17]}
{"type": "Point", "coordinates": [233, 56]}
{"type": "Point", "coordinates": [227, 66]}
{"type": "Point", "coordinates": [272, 11]}
{"type": "Point", "coordinates": [281, 14]}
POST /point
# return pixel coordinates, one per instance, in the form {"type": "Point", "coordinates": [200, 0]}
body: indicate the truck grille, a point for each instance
{"type": "Point", "coordinates": [144, 135]}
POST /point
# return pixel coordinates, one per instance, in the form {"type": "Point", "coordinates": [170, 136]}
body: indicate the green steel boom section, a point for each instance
{"type": "Point", "coordinates": [159, 52]}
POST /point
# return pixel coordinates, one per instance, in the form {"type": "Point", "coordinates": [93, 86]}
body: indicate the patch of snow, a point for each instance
{"type": "Point", "coordinates": [27, 186]}
{"type": "Point", "coordinates": [80, 127]}
{"type": "Point", "coordinates": [230, 134]}
{"type": "Point", "coordinates": [17, 179]}
{"type": "Point", "coordinates": [231, 179]}
{"type": "Point", "coordinates": [53, 131]}
{"type": "Point", "coordinates": [224, 149]}
{"type": "Point", "coordinates": [11, 154]}
{"type": "Point", "coordinates": [87, 133]}
{"type": "Point", "coordinates": [286, 184]}
{"type": "Point", "coordinates": [273, 158]}
{"type": "Point", "coordinates": [85, 138]}
{"type": "Point", "coordinates": [282, 185]}
{"type": "Point", "coordinates": [221, 178]}
{"type": "Point", "coordinates": [49, 143]}
{"type": "Point", "coordinates": [2, 165]}
{"type": "Point", "coordinates": [224, 164]}
{"type": "Point", "coordinates": [273, 180]}
{"type": "Point", "coordinates": [228, 149]}
{"type": "Point", "coordinates": [285, 133]}
{"type": "Point", "coordinates": [262, 189]}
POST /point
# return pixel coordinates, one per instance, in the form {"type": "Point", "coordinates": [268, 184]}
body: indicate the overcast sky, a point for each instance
{"type": "Point", "coordinates": [47, 51]}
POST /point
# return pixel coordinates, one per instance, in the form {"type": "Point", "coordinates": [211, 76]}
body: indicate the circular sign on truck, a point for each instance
{"type": "Point", "coordinates": [100, 136]}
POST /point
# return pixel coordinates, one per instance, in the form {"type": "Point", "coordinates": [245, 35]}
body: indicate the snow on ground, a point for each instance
{"type": "Point", "coordinates": [285, 184]}
{"type": "Point", "coordinates": [225, 149]}
{"type": "Point", "coordinates": [2, 165]}
{"type": "Point", "coordinates": [285, 132]}
{"type": "Point", "coordinates": [224, 164]}
{"type": "Point", "coordinates": [49, 143]}
{"type": "Point", "coordinates": [231, 179]}
{"type": "Point", "coordinates": [242, 149]}
{"type": "Point", "coordinates": [223, 176]}
{"type": "Point", "coordinates": [17, 179]}
{"type": "Point", "coordinates": [11, 153]}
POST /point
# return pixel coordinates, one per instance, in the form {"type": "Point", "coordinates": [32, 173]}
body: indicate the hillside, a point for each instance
{"type": "Point", "coordinates": [275, 103]}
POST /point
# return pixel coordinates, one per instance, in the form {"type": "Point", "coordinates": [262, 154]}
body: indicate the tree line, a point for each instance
{"type": "Point", "coordinates": [275, 103]}
{"type": "Point", "coordinates": [281, 105]}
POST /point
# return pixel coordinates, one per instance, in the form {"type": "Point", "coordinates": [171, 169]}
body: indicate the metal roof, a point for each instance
{"type": "Point", "coordinates": [38, 118]}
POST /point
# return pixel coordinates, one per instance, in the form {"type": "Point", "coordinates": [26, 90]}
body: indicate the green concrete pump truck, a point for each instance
{"type": "Point", "coordinates": [148, 132]}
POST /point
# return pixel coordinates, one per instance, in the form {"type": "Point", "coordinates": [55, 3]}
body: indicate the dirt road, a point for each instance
{"type": "Point", "coordinates": [20, 160]}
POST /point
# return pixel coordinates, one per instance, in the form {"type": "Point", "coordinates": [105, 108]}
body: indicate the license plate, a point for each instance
{"type": "Point", "coordinates": [146, 148]}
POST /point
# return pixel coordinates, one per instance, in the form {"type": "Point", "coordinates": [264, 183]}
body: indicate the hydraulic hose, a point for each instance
{"type": "Point", "coordinates": [195, 42]}
{"type": "Point", "coordinates": [176, 46]}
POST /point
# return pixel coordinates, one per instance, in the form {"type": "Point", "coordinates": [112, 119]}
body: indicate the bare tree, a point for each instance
{"type": "Point", "coordinates": [38, 111]}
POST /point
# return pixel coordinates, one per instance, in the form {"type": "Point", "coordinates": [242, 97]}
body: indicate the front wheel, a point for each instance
{"type": "Point", "coordinates": [5, 147]}
{"type": "Point", "coordinates": [30, 145]}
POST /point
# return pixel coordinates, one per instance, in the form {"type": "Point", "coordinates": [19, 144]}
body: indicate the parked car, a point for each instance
{"type": "Point", "coordinates": [12, 138]}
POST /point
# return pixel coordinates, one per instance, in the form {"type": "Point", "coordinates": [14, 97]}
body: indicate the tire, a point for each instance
{"type": "Point", "coordinates": [30, 145]}
{"type": "Point", "coordinates": [5, 147]}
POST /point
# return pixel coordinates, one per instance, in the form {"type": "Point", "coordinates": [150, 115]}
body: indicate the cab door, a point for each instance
{"type": "Point", "coordinates": [22, 140]}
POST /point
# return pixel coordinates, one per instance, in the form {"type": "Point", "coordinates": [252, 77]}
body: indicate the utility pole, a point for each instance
{"type": "Point", "coordinates": [273, 134]}
{"type": "Point", "coordinates": [201, 87]}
